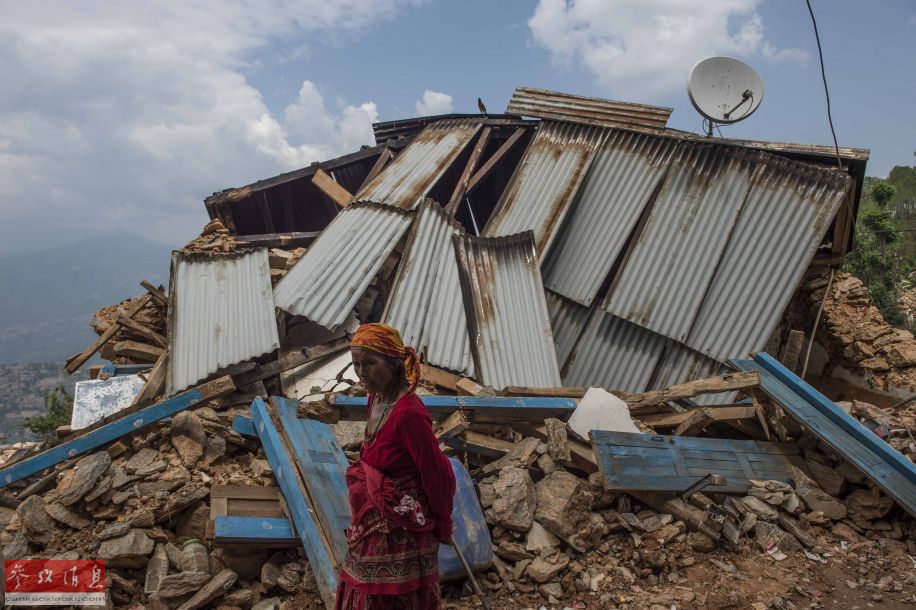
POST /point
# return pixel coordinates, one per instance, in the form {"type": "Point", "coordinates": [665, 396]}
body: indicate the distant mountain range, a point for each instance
{"type": "Point", "coordinates": [48, 297]}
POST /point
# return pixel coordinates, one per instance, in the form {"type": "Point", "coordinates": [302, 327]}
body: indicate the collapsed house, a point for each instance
{"type": "Point", "coordinates": [594, 297]}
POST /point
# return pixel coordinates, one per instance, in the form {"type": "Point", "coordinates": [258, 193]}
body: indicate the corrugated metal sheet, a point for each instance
{"type": "Point", "coordinates": [544, 104]}
{"type": "Point", "coordinates": [619, 185]}
{"type": "Point", "coordinates": [567, 320]}
{"type": "Point", "coordinates": [662, 286]}
{"type": "Point", "coordinates": [406, 179]}
{"type": "Point", "coordinates": [425, 304]}
{"type": "Point", "coordinates": [507, 312]}
{"type": "Point", "coordinates": [221, 313]}
{"type": "Point", "coordinates": [615, 354]}
{"type": "Point", "coordinates": [788, 211]}
{"type": "Point", "coordinates": [546, 182]}
{"type": "Point", "coordinates": [325, 284]}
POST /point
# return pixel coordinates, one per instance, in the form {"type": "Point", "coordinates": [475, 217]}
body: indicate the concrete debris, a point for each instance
{"type": "Point", "coordinates": [514, 500]}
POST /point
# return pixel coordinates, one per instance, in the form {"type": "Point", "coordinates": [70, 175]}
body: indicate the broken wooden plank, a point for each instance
{"type": "Point", "coordinates": [877, 460]}
{"type": "Point", "coordinates": [138, 351]}
{"type": "Point", "coordinates": [439, 378]}
{"type": "Point", "coordinates": [516, 390]}
{"type": "Point", "coordinates": [469, 387]}
{"type": "Point", "coordinates": [141, 330]}
{"type": "Point", "coordinates": [481, 444]}
{"type": "Point", "coordinates": [253, 532]}
{"type": "Point", "coordinates": [451, 426]}
{"type": "Point", "coordinates": [715, 413]}
{"type": "Point", "coordinates": [125, 424]}
{"type": "Point", "coordinates": [277, 240]}
{"type": "Point", "coordinates": [75, 362]}
{"type": "Point", "coordinates": [694, 423]}
{"type": "Point", "coordinates": [490, 163]}
{"type": "Point", "coordinates": [481, 409]}
{"type": "Point", "coordinates": [281, 460]}
{"type": "Point", "coordinates": [377, 168]}
{"type": "Point", "coordinates": [794, 345]}
{"type": "Point", "coordinates": [329, 187]}
{"type": "Point", "coordinates": [643, 462]}
{"type": "Point", "coordinates": [155, 382]}
{"type": "Point", "coordinates": [727, 383]}
{"type": "Point", "coordinates": [244, 426]}
{"type": "Point", "coordinates": [156, 293]}
{"type": "Point", "coordinates": [304, 356]}
{"type": "Point", "coordinates": [470, 166]}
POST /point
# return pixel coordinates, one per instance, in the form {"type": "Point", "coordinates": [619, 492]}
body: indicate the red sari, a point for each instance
{"type": "Point", "coordinates": [401, 492]}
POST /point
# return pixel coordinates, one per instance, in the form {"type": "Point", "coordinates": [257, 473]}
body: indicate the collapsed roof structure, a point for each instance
{"type": "Point", "coordinates": [661, 253]}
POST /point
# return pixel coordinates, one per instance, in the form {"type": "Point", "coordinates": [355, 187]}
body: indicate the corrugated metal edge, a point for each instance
{"type": "Point", "coordinates": [614, 353]}
{"type": "Point", "coordinates": [325, 284]}
{"type": "Point", "coordinates": [554, 105]}
{"type": "Point", "coordinates": [663, 282]}
{"type": "Point", "coordinates": [567, 321]}
{"type": "Point", "coordinates": [620, 184]}
{"type": "Point", "coordinates": [511, 338]}
{"type": "Point", "coordinates": [231, 320]}
{"type": "Point", "coordinates": [793, 204]}
{"type": "Point", "coordinates": [559, 175]}
{"type": "Point", "coordinates": [419, 280]}
{"type": "Point", "coordinates": [409, 177]}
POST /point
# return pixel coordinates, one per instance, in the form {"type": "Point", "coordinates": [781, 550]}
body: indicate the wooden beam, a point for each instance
{"type": "Point", "coordinates": [155, 383]}
{"type": "Point", "coordinates": [468, 387]}
{"type": "Point", "coordinates": [793, 349]}
{"type": "Point", "coordinates": [481, 409]}
{"type": "Point", "coordinates": [439, 378]}
{"type": "Point", "coordinates": [695, 422]}
{"type": "Point", "coordinates": [726, 383]}
{"type": "Point", "coordinates": [481, 444]}
{"type": "Point", "coordinates": [277, 240]}
{"type": "Point", "coordinates": [515, 390]}
{"type": "Point", "coordinates": [306, 355]}
{"type": "Point", "coordinates": [473, 160]}
{"type": "Point", "coordinates": [138, 351]}
{"type": "Point", "coordinates": [158, 295]}
{"type": "Point", "coordinates": [377, 168]}
{"type": "Point", "coordinates": [715, 413]}
{"type": "Point", "coordinates": [144, 331]}
{"type": "Point", "coordinates": [75, 362]}
{"type": "Point", "coordinates": [451, 426]}
{"type": "Point", "coordinates": [108, 432]}
{"type": "Point", "coordinates": [329, 187]}
{"type": "Point", "coordinates": [487, 167]}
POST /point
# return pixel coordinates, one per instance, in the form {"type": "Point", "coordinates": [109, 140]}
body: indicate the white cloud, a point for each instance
{"type": "Point", "coordinates": [434, 102]}
{"type": "Point", "coordinates": [120, 115]}
{"type": "Point", "coordinates": [643, 49]}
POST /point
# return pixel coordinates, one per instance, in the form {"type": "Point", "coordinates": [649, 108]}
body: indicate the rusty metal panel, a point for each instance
{"type": "Point", "coordinates": [618, 187]}
{"type": "Point", "coordinates": [567, 320]}
{"type": "Point", "coordinates": [221, 313]}
{"type": "Point", "coordinates": [662, 284]}
{"type": "Point", "coordinates": [425, 303]}
{"type": "Point", "coordinates": [546, 182]}
{"type": "Point", "coordinates": [615, 354]}
{"type": "Point", "coordinates": [553, 105]}
{"type": "Point", "coordinates": [325, 284]}
{"type": "Point", "coordinates": [409, 177]}
{"type": "Point", "coordinates": [788, 211]}
{"type": "Point", "coordinates": [511, 339]}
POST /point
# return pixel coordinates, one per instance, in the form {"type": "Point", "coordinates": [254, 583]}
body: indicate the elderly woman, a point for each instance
{"type": "Point", "coordinates": [401, 489]}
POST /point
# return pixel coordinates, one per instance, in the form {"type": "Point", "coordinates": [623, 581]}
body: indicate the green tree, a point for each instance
{"type": "Point", "coordinates": [58, 409]}
{"type": "Point", "coordinates": [883, 192]}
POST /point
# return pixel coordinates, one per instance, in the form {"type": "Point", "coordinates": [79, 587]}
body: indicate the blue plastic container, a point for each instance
{"type": "Point", "coordinates": [470, 530]}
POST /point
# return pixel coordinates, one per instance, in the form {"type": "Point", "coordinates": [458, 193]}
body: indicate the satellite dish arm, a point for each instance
{"type": "Point", "coordinates": [747, 95]}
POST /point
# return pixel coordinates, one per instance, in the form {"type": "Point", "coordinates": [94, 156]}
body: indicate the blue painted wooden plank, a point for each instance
{"type": "Point", "coordinates": [105, 434]}
{"type": "Point", "coordinates": [244, 426]}
{"type": "Point", "coordinates": [498, 407]}
{"type": "Point", "coordinates": [263, 530]}
{"type": "Point", "coordinates": [293, 491]}
{"type": "Point", "coordinates": [876, 459]}
{"type": "Point", "coordinates": [323, 467]}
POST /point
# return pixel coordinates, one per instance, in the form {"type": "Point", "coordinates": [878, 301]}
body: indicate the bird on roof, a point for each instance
{"type": "Point", "coordinates": [481, 107]}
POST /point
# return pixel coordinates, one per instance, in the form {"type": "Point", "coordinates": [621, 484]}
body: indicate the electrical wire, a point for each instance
{"type": "Point", "coordinates": [820, 54]}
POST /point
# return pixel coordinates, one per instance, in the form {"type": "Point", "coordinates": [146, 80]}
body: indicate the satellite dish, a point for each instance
{"type": "Point", "coordinates": [724, 90]}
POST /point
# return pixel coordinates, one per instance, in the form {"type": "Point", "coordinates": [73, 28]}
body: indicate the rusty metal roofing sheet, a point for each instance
{"type": "Point", "coordinates": [325, 284]}
{"type": "Point", "coordinates": [664, 280]}
{"type": "Point", "coordinates": [789, 209]}
{"type": "Point", "coordinates": [544, 104]}
{"type": "Point", "coordinates": [221, 313]}
{"type": "Point", "coordinates": [546, 182]}
{"type": "Point", "coordinates": [511, 339]}
{"type": "Point", "coordinates": [567, 319]}
{"type": "Point", "coordinates": [619, 186]}
{"type": "Point", "coordinates": [426, 304]}
{"type": "Point", "coordinates": [409, 177]}
{"type": "Point", "coordinates": [613, 353]}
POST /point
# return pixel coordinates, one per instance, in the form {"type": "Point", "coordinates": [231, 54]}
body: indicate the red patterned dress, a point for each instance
{"type": "Point", "coordinates": [401, 491]}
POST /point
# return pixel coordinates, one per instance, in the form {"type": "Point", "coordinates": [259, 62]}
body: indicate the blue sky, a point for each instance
{"type": "Point", "coordinates": [125, 116]}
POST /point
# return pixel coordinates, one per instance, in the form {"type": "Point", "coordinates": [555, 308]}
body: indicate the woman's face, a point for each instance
{"type": "Point", "coordinates": [373, 369]}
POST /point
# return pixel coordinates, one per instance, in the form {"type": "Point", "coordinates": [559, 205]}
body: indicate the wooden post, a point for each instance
{"type": "Point", "coordinates": [329, 187]}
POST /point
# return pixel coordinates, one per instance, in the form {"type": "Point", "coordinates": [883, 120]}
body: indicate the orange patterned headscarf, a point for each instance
{"type": "Point", "coordinates": [386, 340]}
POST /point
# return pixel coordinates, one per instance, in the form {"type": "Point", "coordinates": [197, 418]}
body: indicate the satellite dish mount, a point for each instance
{"type": "Point", "coordinates": [724, 90]}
